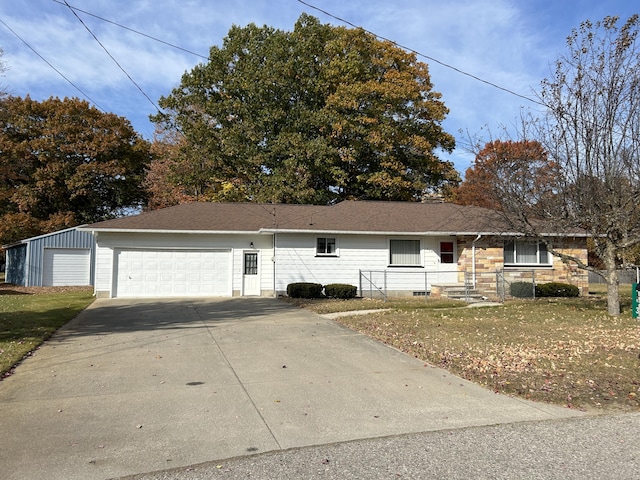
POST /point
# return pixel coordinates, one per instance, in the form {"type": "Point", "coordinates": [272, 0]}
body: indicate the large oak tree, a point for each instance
{"type": "Point", "coordinates": [314, 115]}
{"type": "Point", "coordinates": [64, 163]}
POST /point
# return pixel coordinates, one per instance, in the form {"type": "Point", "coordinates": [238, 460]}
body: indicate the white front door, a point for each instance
{"type": "Point", "coordinates": [250, 277]}
{"type": "Point", "coordinates": [448, 265]}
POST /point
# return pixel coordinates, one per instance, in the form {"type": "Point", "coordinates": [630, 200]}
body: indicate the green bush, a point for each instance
{"type": "Point", "coordinates": [340, 290]}
{"type": "Point", "coordinates": [522, 289]}
{"type": "Point", "coordinates": [304, 290]}
{"type": "Point", "coordinates": [557, 289]}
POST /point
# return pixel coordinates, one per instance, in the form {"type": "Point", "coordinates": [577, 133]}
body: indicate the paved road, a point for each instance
{"type": "Point", "coordinates": [597, 447]}
{"type": "Point", "coordinates": [138, 386]}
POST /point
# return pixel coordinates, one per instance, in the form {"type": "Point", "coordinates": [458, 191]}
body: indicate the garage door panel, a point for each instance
{"type": "Point", "coordinates": [66, 267]}
{"type": "Point", "coordinates": [154, 273]}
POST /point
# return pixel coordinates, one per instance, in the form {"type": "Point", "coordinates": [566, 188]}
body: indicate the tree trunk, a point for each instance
{"type": "Point", "coordinates": [613, 282]}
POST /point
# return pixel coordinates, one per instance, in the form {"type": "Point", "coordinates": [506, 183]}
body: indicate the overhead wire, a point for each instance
{"type": "Point", "coordinates": [335, 17]}
{"type": "Point", "coordinates": [74, 9]}
{"type": "Point", "coordinates": [113, 58]}
{"type": "Point", "coordinates": [53, 67]}
{"type": "Point", "coordinates": [422, 55]}
{"type": "Point", "coordinates": [132, 30]}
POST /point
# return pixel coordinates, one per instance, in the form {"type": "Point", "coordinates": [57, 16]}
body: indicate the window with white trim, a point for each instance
{"type": "Point", "coordinates": [326, 246]}
{"type": "Point", "coordinates": [525, 252]}
{"type": "Point", "coordinates": [404, 253]}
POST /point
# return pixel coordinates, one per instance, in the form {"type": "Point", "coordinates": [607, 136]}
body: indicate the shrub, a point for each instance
{"type": "Point", "coordinates": [522, 289]}
{"type": "Point", "coordinates": [304, 290]}
{"type": "Point", "coordinates": [557, 289]}
{"type": "Point", "coordinates": [340, 290]}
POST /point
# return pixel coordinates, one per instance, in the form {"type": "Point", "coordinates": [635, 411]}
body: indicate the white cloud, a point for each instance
{"type": "Point", "coordinates": [507, 42]}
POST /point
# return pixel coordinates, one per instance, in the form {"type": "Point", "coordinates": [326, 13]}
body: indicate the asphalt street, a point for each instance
{"type": "Point", "coordinates": [593, 447]}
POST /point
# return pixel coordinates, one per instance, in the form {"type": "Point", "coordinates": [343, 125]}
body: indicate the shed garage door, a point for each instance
{"type": "Point", "coordinates": [66, 266]}
{"type": "Point", "coordinates": [172, 273]}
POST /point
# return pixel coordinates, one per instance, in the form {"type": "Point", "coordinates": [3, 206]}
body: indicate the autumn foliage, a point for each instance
{"type": "Point", "coordinates": [315, 115]}
{"type": "Point", "coordinates": [65, 163]}
{"type": "Point", "coordinates": [525, 166]}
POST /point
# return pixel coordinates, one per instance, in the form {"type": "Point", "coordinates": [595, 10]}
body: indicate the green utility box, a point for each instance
{"type": "Point", "coordinates": [635, 292]}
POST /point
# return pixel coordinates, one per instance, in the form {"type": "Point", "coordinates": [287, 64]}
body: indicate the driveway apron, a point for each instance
{"type": "Point", "coordinates": [133, 386]}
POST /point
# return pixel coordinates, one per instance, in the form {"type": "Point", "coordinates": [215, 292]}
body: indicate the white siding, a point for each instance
{"type": "Point", "coordinates": [104, 270]}
{"type": "Point", "coordinates": [237, 244]}
{"type": "Point", "coordinates": [296, 261]}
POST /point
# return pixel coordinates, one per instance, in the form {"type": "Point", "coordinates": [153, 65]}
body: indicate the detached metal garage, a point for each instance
{"type": "Point", "coordinates": [63, 258]}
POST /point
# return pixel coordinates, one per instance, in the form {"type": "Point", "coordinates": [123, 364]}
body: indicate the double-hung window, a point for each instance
{"type": "Point", "coordinates": [525, 253]}
{"type": "Point", "coordinates": [326, 246]}
{"type": "Point", "coordinates": [404, 253]}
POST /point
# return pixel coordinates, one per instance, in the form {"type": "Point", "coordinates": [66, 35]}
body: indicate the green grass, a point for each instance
{"type": "Point", "coordinates": [27, 320]}
{"type": "Point", "coordinates": [561, 351]}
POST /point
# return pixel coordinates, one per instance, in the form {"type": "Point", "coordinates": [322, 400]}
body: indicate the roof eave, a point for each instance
{"type": "Point", "coordinates": [170, 231]}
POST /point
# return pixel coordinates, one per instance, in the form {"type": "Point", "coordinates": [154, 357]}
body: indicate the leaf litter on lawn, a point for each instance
{"type": "Point", "coordinates": [566, 352]}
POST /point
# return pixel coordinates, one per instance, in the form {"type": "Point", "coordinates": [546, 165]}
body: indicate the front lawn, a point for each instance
{"type": "Point", "coordinates": [29, 316]}
{"type": "Point", "coordinates": [563, 351]}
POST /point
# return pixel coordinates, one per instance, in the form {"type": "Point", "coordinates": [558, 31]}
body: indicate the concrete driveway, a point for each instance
{"type": "Point", "coordinates": [141, 385]}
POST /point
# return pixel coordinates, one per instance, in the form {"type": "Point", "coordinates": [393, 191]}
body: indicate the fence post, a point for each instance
{"type": "Point", "coordinates": [533, 284]}
{"type": "Point", "coordinates": [360, 282]}
{"type": "Point", "coordinates": [384, 296]}
{"type": "Point", "coordinates": [426, 283]}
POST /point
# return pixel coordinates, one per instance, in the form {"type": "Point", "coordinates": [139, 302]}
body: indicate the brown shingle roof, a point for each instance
{"type": "Point", "coordinates": [347, 216]}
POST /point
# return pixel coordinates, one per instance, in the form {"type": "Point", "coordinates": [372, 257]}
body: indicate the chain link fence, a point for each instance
{"type": "Point", "coordinates": [396, 282]}
{"type": "Point", "coordinates": [499, 286]}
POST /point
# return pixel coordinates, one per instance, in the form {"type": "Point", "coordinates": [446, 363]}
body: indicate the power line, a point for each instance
{"type": "Point", "coordinates": [112, 58]}
{"type": "Point", "coordinates": [462, 72]}
{"type": "Point", "coordinates": [54, 68]}
{"type": "Point", "coordinates": [132, 30]}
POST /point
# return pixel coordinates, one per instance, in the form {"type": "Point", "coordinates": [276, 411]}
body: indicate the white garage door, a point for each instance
{"type": "Point", "coordinates": [172, 273]}
{"type": "Point", "coordinates": [66, 266]}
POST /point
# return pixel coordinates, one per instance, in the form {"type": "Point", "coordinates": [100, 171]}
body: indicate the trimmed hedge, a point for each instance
{"type": "Point", "coordinates": [551, 289]}
{"type": "Point", "coordinates": [340, 290]}
{"type": "Point", "coordinates": [522, 290]}
{"type": "Point", "coordinates": [557, 289]}
{"type": "Point", "coordinates": [304, 290]}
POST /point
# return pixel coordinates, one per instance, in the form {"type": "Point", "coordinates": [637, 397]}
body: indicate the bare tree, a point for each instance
{"type": "Point", "coordinates": [591, 134]}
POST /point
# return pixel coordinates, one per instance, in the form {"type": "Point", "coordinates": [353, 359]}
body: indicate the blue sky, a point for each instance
{"type": "Point", "coordinates": [509, 43]}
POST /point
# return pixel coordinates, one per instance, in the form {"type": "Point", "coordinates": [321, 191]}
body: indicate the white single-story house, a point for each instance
{"type": "Point", "coordinates": [61, 258]}
{"type": "Point", "coordinates": [248, 249]}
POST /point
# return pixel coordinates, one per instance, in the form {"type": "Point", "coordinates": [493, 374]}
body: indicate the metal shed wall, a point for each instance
{"type": "Point", "coordinates": [33, 256]}
{"type": "Point", "coordinates": [16, 265]}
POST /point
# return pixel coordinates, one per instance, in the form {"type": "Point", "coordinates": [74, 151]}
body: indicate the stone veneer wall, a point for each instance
{"type": "Point", "coordinates": [489, 259]}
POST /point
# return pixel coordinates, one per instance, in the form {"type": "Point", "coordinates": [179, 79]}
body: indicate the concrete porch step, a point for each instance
{"type": "Point", "coordinates": [459, 292]}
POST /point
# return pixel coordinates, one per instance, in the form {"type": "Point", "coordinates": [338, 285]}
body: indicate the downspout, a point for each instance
{"type": "Point", "coordinates": [473, 259]}
{"type": "Point", "coordinates": [273, 261]}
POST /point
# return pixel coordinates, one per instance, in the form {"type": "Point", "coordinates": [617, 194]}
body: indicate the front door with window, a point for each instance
{"type": "Point", "coordinates": [250, 277]}
{"type": "Point", "coordinates": [448, 266]}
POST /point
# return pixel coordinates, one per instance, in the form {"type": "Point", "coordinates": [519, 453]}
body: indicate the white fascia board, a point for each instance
{"type": "Point", "coordinates": [169, 231]}
{"type": "Point", "coordinates": [366, 232]}
{"type": "Point", "coordinates": [425, 234]}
